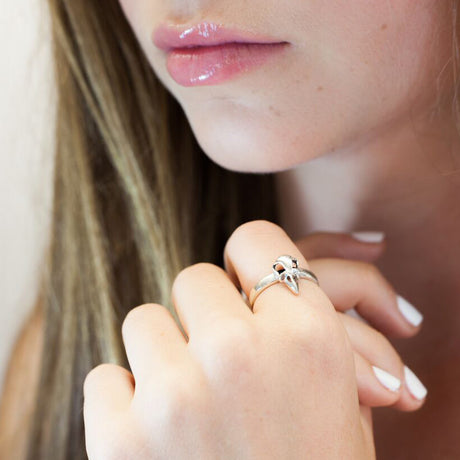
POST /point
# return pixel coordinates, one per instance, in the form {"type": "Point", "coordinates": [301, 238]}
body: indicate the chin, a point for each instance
{"type": "Point", "coordinates": [255, 147]}
{"type": "Point", "coordinates": [241, 155]}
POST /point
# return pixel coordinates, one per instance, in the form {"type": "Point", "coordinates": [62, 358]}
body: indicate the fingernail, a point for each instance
{"type": "Point", "coordinates": [369, 237]}
{"type": "Point", "coordinates": [409, 311]}
{"type": "Point", "coordinates": [414, 385]}
{"type": "Point", "coordinates": [390, 382]}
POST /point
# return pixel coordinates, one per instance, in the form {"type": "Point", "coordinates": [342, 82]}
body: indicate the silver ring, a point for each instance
{"type": "Point", "coordinates": [285, 270]}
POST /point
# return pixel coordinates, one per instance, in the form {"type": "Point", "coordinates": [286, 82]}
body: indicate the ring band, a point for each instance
{"type": "Point", "coordinates": [286, 270]}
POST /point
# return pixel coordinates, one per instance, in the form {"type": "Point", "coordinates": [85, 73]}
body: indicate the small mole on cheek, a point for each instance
{"type": "Point", "coordinates": [383, 27]}
{"type": "Point", "coordinates": [320, 88]}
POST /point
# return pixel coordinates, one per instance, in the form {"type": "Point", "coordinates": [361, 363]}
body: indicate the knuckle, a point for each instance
{"type": "Point", "coordinates": [193, 272]}
{"type": "Point", "coordinates": [138, 316]}
{"type": "Point", "coordinates": [253, 228]}
{"type": "Point", "coordinates": [228, 353]}
{"type": "Point", "coordinates": [333, 345]}
{"type": "Point", "coordinates": [175, 399]}
{"type": "Point", "coordinates": [324, 342]}
{"type": "Point", "coordinates": [375, 280]}
{"type": "Point", "coordinates": [100, 374]}
{"type": "Point", "coordinates": [324, 334]}
{"type": "Point", "coordinates": [372, 273]}
{"type": "Point", "coordinates": [258, 225]}
{"type": "Point", "coordinates": [230, 340]}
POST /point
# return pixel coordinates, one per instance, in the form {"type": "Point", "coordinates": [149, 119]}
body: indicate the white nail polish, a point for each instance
{"type": "Point", "coordinates": [390, 382]}
{"type": "Point", "coordinates": [409, 311]}
{"type": "Point", "coordinates": [414, 385]}
{"type": "Point", "coordinates": [369, 237]}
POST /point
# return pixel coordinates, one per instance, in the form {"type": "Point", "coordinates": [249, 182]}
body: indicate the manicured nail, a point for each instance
{"type": "Point", "coordinates": [390, 382]}
{"type": "Point", "coordinates": [414, 385]}
{"type": "Point", "coordinates": [409, 311]}
{"type": "Point", "coordinates": [369, 237]}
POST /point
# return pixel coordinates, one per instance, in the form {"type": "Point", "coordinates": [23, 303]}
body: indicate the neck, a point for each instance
{"type": "Point", "coordinates": [401, 182]}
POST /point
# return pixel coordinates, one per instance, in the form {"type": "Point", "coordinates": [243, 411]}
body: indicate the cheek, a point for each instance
{"type": "Point", "coordinates": [382, 51]}
{"type": "Point", "coordinates": [127, 6]}
{"type": "Point", "coordinates": [131, 11]}
{"type": "Point", "coordinates": [140, 14]}
{"type": "Point", "coordinates": [143, 16]}
{"type": "Point", "coordinates": [351, 58]}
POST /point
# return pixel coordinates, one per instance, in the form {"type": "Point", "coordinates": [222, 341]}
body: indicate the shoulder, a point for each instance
{"type": "Point", "coordinates": [21, 380]}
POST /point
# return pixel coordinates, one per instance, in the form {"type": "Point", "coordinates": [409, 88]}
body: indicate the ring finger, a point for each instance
{"type": "Point", "coordinates": [248, 257]}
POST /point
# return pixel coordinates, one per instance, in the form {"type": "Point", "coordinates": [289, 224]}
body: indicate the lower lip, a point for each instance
{"type": "Point", "coordinates": [211, 65]}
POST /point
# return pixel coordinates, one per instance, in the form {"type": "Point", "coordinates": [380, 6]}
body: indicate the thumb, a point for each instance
{"type": "Point", "coordinates": [364, 246]}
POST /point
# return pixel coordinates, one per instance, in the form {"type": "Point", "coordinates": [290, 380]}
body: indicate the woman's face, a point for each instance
{"type": "Point", "coordinates": [351, 71]}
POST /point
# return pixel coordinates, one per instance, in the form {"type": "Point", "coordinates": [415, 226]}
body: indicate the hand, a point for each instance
{"type": "Point", "coordinates": [275, 383]}
{"type": "Point", "coordinates": [359, 284]}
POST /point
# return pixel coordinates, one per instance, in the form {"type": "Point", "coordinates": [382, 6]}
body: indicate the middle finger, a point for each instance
{"type": "Point", "coordinates": [205, 297]}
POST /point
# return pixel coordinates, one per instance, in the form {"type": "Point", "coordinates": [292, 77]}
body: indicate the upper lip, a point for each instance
{"type": "Point", "coordinates": [167, 36]}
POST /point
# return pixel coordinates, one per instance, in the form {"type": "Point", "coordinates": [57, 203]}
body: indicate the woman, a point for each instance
{"type": "Point", "coordinates": [355, 100]}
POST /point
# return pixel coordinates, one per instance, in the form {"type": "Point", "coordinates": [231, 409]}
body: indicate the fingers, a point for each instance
{"type": "Point", "coordinates": [366, 415]}
{"type": "Point", "coordinates": [153, 342]}
{"type": "Point", "coordinates": [402, 321]}
{"type": "Point", "coordinates": [205, 300]}
{"type": "Point", "coordinates": [204, 297]}
{"type": "Point", "coordinates": [376, 387]}
{"type": "Point", "coordinates": [373, 345]}
{"type": "Point", "coordinates": [341, 245]}
{"type": "Point", "coordinates": [360, 285]}
{"type": "Point", "coordinates": [107, 389]}
{"type": "Point", "coordinates": [249, 256]}
{"type": "Point", "coordinates": [377, 362]}
{"type": "Point", "coordinates": [381, 373]}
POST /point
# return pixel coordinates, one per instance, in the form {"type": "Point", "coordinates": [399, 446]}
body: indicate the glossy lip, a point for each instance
{"type": "Point", "coordinates": [212, 65]}
{"type": "Point", "coordinates": [209, 53]}
{"type": "Point", "coordinates": [168, 37]}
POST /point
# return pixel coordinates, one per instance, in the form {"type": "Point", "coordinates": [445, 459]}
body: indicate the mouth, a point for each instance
{"type": "Point", "coordinates": [168, 37]}
{"type": "Point", "coordinates": [209, 54]}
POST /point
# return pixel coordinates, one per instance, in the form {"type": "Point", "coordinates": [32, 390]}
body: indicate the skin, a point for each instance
{"type": "Point", "coordinates": [206, 392]}
{"type": "Point", "coordinates": [418, 212]}
{"type": "Point", "coordinates": [302, 116]}
{"type": "Point", "coordinates": [372, 58]}
{"type": "Point", "coordinates": [109, 386]}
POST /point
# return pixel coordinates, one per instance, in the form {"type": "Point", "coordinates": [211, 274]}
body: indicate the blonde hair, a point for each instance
{"type": "Point", "coordinates": [135, 201]}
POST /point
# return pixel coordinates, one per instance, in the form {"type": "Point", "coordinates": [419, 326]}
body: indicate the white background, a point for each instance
{"type": "Point", "coordinates": [26, 153]}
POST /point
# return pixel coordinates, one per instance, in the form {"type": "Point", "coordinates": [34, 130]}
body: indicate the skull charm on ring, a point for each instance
{"type": "Point", "coordinates": [286, 268]}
